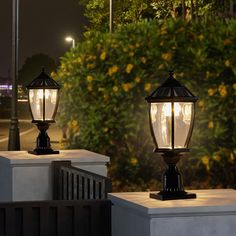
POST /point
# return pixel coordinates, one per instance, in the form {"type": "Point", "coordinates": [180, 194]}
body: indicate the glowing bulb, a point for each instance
{"type": "Point", "coordinates": [47, 93]}
{"type": "Point", "coordinates": [40, 94]}
{"type": "Point", "coordinates": [177, 108]}
{"type": "Point", "coordinates": [167, 109]}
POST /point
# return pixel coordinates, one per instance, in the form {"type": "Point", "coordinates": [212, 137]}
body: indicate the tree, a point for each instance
{"type": "Point", "coordinates": [33, 66]}
{"type": "Point", "coordinates": [125, 11]}
{"type": "Point", "coordinates": [129, 11]}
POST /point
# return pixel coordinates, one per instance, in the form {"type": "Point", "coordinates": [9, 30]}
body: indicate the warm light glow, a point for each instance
{"type": "Point", "coordinates": [69, 39]}
{"type": "Point", "coordinates": [167, 109]}
{"type": "Point", "coordinates": [37, 105]}
{"type": "Point", "coordinates": [161, 114]}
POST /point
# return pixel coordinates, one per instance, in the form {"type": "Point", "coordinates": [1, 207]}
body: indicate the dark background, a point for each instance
{"type": "Point", "coordinates": [44, 24]}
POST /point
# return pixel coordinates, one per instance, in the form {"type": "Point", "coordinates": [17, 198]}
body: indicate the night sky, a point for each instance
{"type": "Point", "coordinates": [43, 27]}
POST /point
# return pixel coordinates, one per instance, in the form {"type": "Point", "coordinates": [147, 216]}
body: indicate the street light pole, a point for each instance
{"type": "Point", "coordinates": [14, 136]}
{"type": "Point", "coordinates": [111, 17]}
{"type": "Point", "coordinates": [73, 43]}
{"type": "Point", "coordinates": [70, 39]}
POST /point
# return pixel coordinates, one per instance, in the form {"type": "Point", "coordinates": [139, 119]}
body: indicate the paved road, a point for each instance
{"type": "Point", "coordinates": [28, 135]}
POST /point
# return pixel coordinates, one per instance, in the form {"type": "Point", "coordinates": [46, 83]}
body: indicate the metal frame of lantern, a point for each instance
{"type": "Point", "coordinates": [172, 93]}
{"type": "Point", "coordinates": [42, 84]}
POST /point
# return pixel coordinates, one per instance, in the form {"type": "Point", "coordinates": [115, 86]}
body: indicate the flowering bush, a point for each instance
{"type": "Point", "coordinates": [106, 78]}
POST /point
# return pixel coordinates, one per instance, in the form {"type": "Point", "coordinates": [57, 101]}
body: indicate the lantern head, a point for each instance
{"type": "Point", "coordinates": [171, 115]}
{"type": "Point", "coordinates": [43, 98]}
{"type": "Point", "coordinates": [43, 101]}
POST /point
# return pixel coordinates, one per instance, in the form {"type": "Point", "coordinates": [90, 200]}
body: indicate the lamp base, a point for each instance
{"type": "Point", "coordinates": [43, 152]}
{"type": "Point", "coordinates": [173, 196]}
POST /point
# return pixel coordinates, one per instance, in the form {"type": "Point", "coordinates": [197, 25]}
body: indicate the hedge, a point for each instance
{"type": "Point", "coordinates": [107, 77]}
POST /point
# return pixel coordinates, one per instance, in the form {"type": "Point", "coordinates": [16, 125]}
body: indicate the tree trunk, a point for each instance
{"type": "Point", "coordinates": [183, 9]}
{"type": "Point", "coordinates": [192, 10]}
{"type": "Point", "coordinates": [231, 7]}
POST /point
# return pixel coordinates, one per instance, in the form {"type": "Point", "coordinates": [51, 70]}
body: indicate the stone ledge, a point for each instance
{"type": "Point", "coordinates": [24, 158]}
{"type": "Point", "coordinates": [208, 202]}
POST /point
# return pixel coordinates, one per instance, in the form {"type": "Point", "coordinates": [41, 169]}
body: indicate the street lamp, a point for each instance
{"type": "Point", "coordinates": [43, 95]}
{"type": "Point", "coordinates": [111, 16]}
{"type": "Point", "coordinates": [14, 134]}
{"type": "Point", "coordinates": [171, 121]}
{"type": "Point", "coordinates": [70, 39]}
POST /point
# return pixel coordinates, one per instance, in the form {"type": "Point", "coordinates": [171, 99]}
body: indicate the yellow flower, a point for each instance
{"type": "Point", "coordinates": [211, 92]}
{"type": "Point", "coordinates": [115, 89]}
{"type": "Point", "coordinates": [134, 161]}
{"type": "Point", "coordinates": [137, 45]}
{"type": "Point", "coordinates": [143, 60]}
{"type": "Point", "coordinates": [232, 157]}
{"type": "Point", "coordinates": [217, 157]}
{"type": "Point", "coordinates": [90, 88]}
{"type": "Point", "coordinates": [166, 56]}
{"type": "Point", "coordinates": [113, 70]}
{"type": "Point", "coordinates": [227, 63]}
{"type": "Point", "coordinates": [91, 57]}
{"type": "Point", "coordinates": [210, 125]}
{"type": "Point", "coordinates": [105, 130]}
{"type": "Point", "coordinates": [89, 78]}
{"type": "Point", "coordinates": [201, 103]}
{"type": "Point", "coordinates": [131, 54]}
{"type": "Point", "coordinates": [161, 43]}
{"type": "Point", "coordinates": [163, 31]}
{"type": "Point", "coordinates": [126, 87]}
{"type": "Point", "coordinates": [205, 160]}
{"type": "Point", "coordinates": [201, 37]}
{"type": "Point", "coordinates": [160, 66]}
{"type": "Point", "coordinates": [129, 68]}
{"type": "Point", "coordinates": [234, 85]}
{"type": "Point", "coordinates": [103, 56]}
{"type": "Point", "coordinates": [53, 74]}
{"type": "Point", "coordinates": [222, 90]}
{"type": "Point", "coordinates": [227, 42]}
{"type": "Point", "coordinates": [137, 80]}
{"type": "Point", "coordinates": [147, 87]}
{"type": "Point", "coordinates": [74, 123]}
{"type": "Point", "coordinates": [67, 86]}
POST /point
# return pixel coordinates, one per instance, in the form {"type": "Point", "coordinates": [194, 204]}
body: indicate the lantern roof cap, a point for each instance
{"type": "Point", "coordinates": [43, 80]}
{"type": "Point", "coordinates": [170, 91]}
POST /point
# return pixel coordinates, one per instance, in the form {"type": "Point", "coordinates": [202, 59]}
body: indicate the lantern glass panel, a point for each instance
{"type": "Point", "coordinates": [160, 114]}
{"type": "Point", "coordinates": [161, 119]}
{"type": "Point", "coordinates": [50, 103]}
{"type": "Point", "coordinates": [37, 97]}
{"type": "Point", "coordinates": [183, 118]}
{"type": "Point", "coordinates": [36, 103]}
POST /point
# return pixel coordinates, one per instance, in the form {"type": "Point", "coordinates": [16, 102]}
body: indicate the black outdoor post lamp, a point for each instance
{"type": "Point", "coordinates": [171, 122]}
{"type": "Point", "coordinates": [43, 99]}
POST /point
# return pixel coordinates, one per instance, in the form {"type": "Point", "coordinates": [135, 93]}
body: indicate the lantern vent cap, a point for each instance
{"type": "Point", "coordinates": [171, 90]}
{"type": "Point", "coordinates": [43, 81]}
